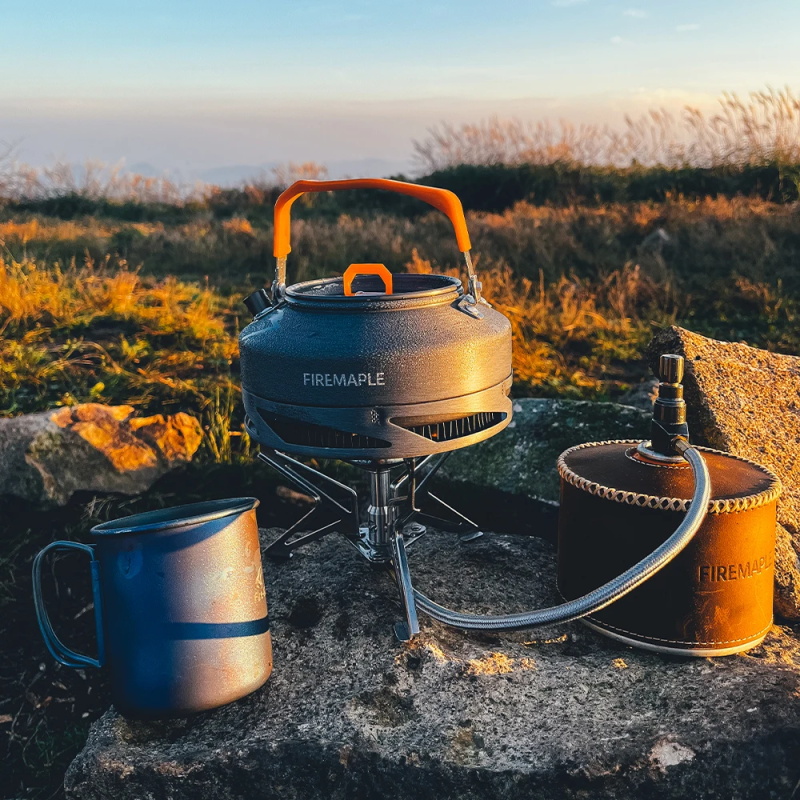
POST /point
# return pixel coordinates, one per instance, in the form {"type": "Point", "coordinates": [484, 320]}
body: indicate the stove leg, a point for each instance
{"type": "Point", "coordinates": [323, 491]}
{"type": "Point", "coordinates": [404, 630]}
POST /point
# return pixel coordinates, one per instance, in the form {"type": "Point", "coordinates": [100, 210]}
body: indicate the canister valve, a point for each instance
{"type": "Point", "coordinates": [669, 412]}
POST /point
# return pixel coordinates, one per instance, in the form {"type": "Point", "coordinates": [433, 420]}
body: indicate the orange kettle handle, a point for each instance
{"type": "Point", "coordinates": [443, 199]}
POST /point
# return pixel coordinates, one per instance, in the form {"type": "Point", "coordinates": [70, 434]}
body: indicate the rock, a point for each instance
{"type": "Point", "coordinates": [643, 395]}
{"type": "Point", "coordinates": [521, 460]}
{"type": "Point", "coordinates": [562, 712]}
{"type": "Point", "coordinates": [46, 457]}
{"type": "Point", "coordinates": [747, 402]}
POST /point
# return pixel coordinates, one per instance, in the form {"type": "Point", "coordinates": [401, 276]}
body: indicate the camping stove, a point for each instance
{"type": "Point", "coordinates": [393, 519]}
{"type": "Point", "coordinates": [387, 372]}
{"type": "Point", "coordinates": [390, 374]}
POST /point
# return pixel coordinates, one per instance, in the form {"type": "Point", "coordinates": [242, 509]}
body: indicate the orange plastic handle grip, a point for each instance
{"type": "Point", "coordinates": [366, 269]}
{"type": "Point", "coordinates": [443, 199]}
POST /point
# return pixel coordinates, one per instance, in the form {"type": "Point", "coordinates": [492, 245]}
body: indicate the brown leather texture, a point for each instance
{"type": "Point", "coordinates": [717, 593]}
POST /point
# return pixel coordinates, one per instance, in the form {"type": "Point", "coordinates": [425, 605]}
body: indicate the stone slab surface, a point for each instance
{"type": "Point", "coordinates": [554, 713]}
{"type": "Point", "coordinates": [747, 402]}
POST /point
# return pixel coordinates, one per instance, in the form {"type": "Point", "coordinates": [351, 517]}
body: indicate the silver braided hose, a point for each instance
{"type": "Point", "coordinates": [608, 592]}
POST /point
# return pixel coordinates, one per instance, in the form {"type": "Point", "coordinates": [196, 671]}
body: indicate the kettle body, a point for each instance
{"type": "Point", "coordinates": [375, 375]}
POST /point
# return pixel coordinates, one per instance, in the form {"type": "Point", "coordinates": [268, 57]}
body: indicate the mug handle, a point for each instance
{"type": "Point", "coordinates": [59, 651]}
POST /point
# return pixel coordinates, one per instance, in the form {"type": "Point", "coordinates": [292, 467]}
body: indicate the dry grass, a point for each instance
{"type": "Point", "coordinates": [93, 179]}
{"type": "Point", "coordinates": [72, 297]}
{"type": "Point", "coordinates": [678, 241]}
{"type": "Point", "coordinates": [22, 232]}
{"type": "Point", "coordinates": [762, 128]}
{"type": "Point", "coordinates": [104, 333]}
{"type": "Point", "coordinates": [96, 180]}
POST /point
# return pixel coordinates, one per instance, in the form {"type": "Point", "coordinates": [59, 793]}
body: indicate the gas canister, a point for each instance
{"type": "Point", "coordinates": [621, 499]}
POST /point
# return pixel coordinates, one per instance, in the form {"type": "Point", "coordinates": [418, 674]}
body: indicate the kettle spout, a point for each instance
{"type": "Point", "coordinates": [257, 302]}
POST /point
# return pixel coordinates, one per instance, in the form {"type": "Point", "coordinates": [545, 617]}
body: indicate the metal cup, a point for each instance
{"type": "Point", "coordinates": [180, 607]}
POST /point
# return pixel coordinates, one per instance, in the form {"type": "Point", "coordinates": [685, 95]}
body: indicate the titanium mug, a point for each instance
{"type": "Point", "coordinates": [180, 607]}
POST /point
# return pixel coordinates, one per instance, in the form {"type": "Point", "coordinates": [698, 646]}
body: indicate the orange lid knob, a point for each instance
{"type": "Point", "coordinates": [366, 269]}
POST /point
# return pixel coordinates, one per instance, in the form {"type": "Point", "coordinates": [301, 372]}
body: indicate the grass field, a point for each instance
{"type": "Point", "coordinates": [148, 313]}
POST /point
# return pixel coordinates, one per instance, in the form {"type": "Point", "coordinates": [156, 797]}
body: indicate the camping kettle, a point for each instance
{"type": "Point", "coordinates": [370, 364]}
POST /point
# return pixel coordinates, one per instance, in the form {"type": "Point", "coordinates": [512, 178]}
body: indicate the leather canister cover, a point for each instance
{"type": "Point", "coordinates": [616, 508]}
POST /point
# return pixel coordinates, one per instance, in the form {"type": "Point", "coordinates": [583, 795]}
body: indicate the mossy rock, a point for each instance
{"type": "Point", "coordinates": [521, 460]}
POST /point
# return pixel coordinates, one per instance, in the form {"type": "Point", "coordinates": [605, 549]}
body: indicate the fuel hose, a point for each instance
{"type": "Point", "coordinates": [608, 592]}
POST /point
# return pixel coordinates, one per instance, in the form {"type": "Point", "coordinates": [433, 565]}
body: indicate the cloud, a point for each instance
{"type": "Point", "coordinates": [616, 40]}
{"type": "Point", "coordinates": [691, 26]}
{"type": "Point", "coordinates": [638, 13]}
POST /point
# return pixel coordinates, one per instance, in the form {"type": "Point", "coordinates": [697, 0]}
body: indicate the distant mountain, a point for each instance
{"type": "Point", "coordinates": [369, 168]}
{"type": "Point", "coordinates": [236, 174]}
{"type": "Point", "coordinates": [146, 169]}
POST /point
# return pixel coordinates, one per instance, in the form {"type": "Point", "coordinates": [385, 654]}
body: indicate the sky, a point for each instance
{"type": "Point", "coordinates": [192, 86]}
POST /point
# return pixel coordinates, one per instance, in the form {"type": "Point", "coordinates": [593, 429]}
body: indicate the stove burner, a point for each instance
{"type": "Point", "coordinates": [392, 522]}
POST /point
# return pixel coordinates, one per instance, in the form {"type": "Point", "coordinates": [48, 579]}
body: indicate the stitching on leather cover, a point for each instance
{"type": "Point", "coordinates": [721, 506]}
{"type": "Point", "coordinates": [676, 641]}
{"type": "Point", "coordinates": [645, 637]}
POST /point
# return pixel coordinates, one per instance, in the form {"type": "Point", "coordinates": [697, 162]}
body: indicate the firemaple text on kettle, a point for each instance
{"type": "Point", "coordinates": [343, 379]}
